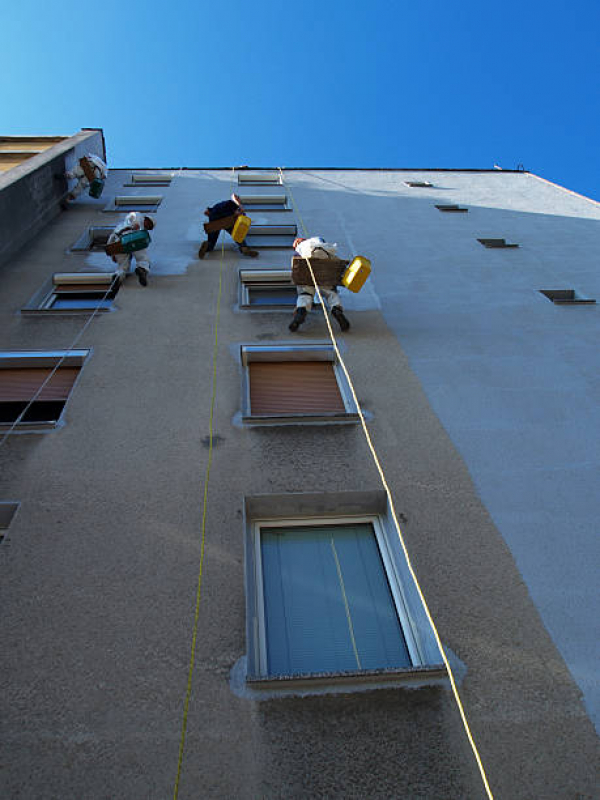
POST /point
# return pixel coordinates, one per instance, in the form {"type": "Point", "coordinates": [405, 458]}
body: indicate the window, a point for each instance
{"type": "Point", "coordinates": [452, 208]}
{"type": "Point", "coordinates": [143, 202]}
{"type": "Point", "coordinates": [566, 297]}
{"type": "Point", "coordinates": [492, 243]}
{"type": "Point", "coordinates": [93, 238]}
{"type": "Point", "coordinates": [331, 600]}
{"type": "Point", "coordinates": [258, 178]}
{"type": "Point", "coordinates": [264, 202]}
{"type": "Point", "coordinates": [271, 289]}
{"type": "Point", "coordinates": [74, 292]}
{"type": "Point", "coordinates": [419, 184]}
{"type": "Point", "coordinates": [280, 237]}
{"type": "Point", "coordinates": [21, 376]}
{"type": "Point", "coordinates": [7, 512]}
{"type": "Point", "coordinates": [285, 384]}
{"type": "Point", "coordinates": [150, 179]}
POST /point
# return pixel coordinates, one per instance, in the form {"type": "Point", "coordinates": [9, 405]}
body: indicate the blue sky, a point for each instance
{"type": "Point", "coordinates": [426, 83]}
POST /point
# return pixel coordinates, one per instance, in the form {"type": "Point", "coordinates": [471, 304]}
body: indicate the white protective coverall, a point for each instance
{"type": "Point", "coordinates": [133, 221]}
{"type": "Point", "coordinates": [77, 173]}
{"type": "Point", "coordinates": [321, 249]}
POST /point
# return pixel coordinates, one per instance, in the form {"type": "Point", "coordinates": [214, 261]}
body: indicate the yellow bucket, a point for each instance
{"type": "Point", "coordinates": [356, 273]}
{"type": "Point", "coordinates": [241, 228]}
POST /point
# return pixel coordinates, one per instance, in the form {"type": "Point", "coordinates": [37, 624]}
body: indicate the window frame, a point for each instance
{"type": "Point", "coordinates": [41, 359]}
{"type": "Point", "coordinates": [452, 208]}
{"type": "Point", "coordinates": [419, 638]}
{"type": "Point", "coordinates": [267, 202]}
{"type": "Point", "coordinates": [127, 202]}
{"type": "Point", "coordinates": [293, 352]}
{"type": "Point", "coordinates": [138, 179]}
{"type": "Point", "coordinates": [43, 300]}
{"type": "Point", "coordinates": [275, 237]}
{"type": "Point", "coordinates": [87, 240]}
{"type": "Point", "coordinates": [264, 279]}
{"type": "Point", "coordinates": [497, 244]}
{"type": "Point", "coordinates": [259, 179]}
{"type": "Point", "coordinates": [419, 184]}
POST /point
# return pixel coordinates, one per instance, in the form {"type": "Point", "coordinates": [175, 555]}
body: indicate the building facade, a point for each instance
{"type": "Point", "coordinates": [473, 355]}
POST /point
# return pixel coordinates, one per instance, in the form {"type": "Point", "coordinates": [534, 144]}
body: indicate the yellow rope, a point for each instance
{"type": "Point", "coordinates": [188, 692]}
{"type": "Point", "coordinates": [394, 516]}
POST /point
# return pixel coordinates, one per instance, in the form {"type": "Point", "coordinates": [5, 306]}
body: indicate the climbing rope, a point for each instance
{"type": "Point", "coordinates": [386, 487]}
{"type": "Point", "coordinates": [188, 691]}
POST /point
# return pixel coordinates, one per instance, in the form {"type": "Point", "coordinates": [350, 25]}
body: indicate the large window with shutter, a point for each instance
{"type": "Point", "coordinates": [291, 384]}
{"type": "Point", "coordinates": [38, 383]}
{"type": "Point", "coordinates": [74, 293]}
{"type": "Point", "coordinates": [330, 601]}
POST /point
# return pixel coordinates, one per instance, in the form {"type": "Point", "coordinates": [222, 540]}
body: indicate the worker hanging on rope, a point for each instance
{"type": "Point", "coordinates": [223, 216]}
{"type": "Point", "coordinates": [129, 239]}
{"type": "Point", "coordinates": [317, 249]}
{"type": "Point", "coordinates": [90, 173]}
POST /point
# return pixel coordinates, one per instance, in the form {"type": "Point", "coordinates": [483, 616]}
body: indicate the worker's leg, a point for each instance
{"type": "Point", "coordinates": [123, 264]}
{"type": "Point", "coordinates": [208, 244]}
{"type": "Point", "coordinates": [243, 247]}
{"type": "Point", "coordinates": [335, 304]}
{"type": "Point", "coordinates": [79, 187]}
{"type": "Point", "coordinates": [142, 265]}
{"type": "Point", "coordinates": [304, 303]}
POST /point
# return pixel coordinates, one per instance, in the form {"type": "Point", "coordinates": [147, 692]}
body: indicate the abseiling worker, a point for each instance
{"type": "Point", "coordinates": [134, 221]}
{"type": "Point", "coordinates": [306, 248]}
{"type": "Point", "coordinates": [99, 170]}
{"type": "Point", "coordinates": [226, 208]}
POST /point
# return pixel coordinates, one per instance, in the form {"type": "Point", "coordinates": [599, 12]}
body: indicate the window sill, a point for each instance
{"type": "Point", "coordinates": [377, 677]}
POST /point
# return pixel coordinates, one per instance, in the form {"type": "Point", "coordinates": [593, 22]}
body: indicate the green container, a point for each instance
{"type": "Point", "coordinates": [96, 188]}
{"type": "Point", "coordinates": [137, 240]}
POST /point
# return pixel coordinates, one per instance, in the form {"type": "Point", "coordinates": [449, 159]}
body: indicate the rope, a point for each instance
{"type": "Point", "coordinates": [188, 691]}
{"type": "Point", "coordinates": [394, 516]}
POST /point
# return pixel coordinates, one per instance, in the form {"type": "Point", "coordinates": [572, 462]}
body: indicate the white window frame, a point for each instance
{"type": "Point", "coordinates": [280, 237]}
{"type": "Point", "coordinates": [42, 358]}
{"type": "Point", "coordinates": [150, 179]}
{"type": "Point", "coordinates": [144, 203]}
{"type": "Point", "coordinates": [87, 240]}
{"type": "Point", "coordinates": [42, 302]}
{"type": "Point", "coordinates": [396, 574]}
{"type": "Point", "coordinates": [292, 352]}
{"type": "Point", "coordinates": [259, 179]}
{"type": "Point", "coordinates": [419, 184]}
{"type": "Point", "coordinates": [264, 279]}
{"type": "Point", "coordinates": [265, 202]}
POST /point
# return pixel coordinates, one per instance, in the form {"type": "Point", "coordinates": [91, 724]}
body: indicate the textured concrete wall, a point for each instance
{"type": "Point", "coordinates": [30, 194]}
{"type": "Point", "coordinates": [99, 569]}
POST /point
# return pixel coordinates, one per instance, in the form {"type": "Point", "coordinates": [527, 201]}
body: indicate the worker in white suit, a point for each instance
{"type": "Point", "coordinates": [134, 221]}
{"type": "Point", "coordinates": [316, 246]}
{"type": "Point", "coordinates": [99, 170]}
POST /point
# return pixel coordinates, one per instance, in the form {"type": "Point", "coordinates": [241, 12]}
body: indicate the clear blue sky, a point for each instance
{"type": "Point", "coordinates": [426, 83]}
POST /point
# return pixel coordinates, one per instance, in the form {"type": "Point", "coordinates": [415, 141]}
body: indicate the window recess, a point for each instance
{"type": "Point", "coordinates": [74, 293]}
{"type": "Point", "coordinates": [267, 290]}
{"type": "Point", "coordinates": [150, 179]}
{"type": "Point", "coordinates": [144, 202]}
{"type": "Point", "coordinates": [259, 178]}
{"type": "Point", "coordinates": [566, 297]}
{"type": "Point", "coordinates": [279, 237]}
{"type": "Point", "coordinates": [496, 243]}
{"type": "Point", "coordinates": [93, 238]}
{"type": "Point", "coordinates": [452, 208]}
{"type": "Point", "coordinates": [419, 184]}
{"type": "Point", "coordinates": [288, 384]}
{"type": "Point", "coordinates": [22, 373]}
{"type": "Point", "coordinates": [330, 601]}
{"type": "Point", "coordinates": [264, 202]}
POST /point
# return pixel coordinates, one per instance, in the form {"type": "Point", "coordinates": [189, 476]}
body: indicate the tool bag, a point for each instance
{"type": "Point", "coordinates": [328, 271]}
{"type": "Point", "coordinates": [356, 274]}
{"type": "Point", "coordinates": [129, 243]}
{"type": "Point", "coordinates": [96, 188]}
{"type": "Point", "coordinates": [220, 224]}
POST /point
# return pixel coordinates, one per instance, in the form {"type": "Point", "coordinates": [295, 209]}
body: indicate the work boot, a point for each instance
{"type": "Point", "coordinates": [298, 319]}
{"type": "Point", "coordinates": [339, 315]}
{"type": "Point", "coordinates": [142, 275]}
{"type": "Point", "coordinates": [203, 249]}
{"type": "Point", "coordinates": [247, 251]}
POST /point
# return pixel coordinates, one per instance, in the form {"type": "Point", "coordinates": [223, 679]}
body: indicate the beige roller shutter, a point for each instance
{"type": "Point", "coordinates": [19, 385]}
{"type": "Point", "coordinates": [294, 387]}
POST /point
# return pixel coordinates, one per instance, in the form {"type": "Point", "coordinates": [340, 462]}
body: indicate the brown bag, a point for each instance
{"type": "Point", "coordinates": [88, 167]}
{"type": "Point", "coordinates": [328, 271]}
{"type": "Point", "coordinates": [220, 224]}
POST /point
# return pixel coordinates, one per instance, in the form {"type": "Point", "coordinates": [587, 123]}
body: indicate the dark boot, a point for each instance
{"type": "Point", "coordinates": [248, 251]}
{"type": "Point", "coordinates": [142, 275]}
{"type": "Point", "coordinates": [338, 313]}
{"type": "Point", "coordinates": [298, 319]}
{"type": "Point", "coordinates": [203, 249]}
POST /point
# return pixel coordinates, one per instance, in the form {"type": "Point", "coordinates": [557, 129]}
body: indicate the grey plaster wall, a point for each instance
{"type": "Point", "coordinates": [99, 568]}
